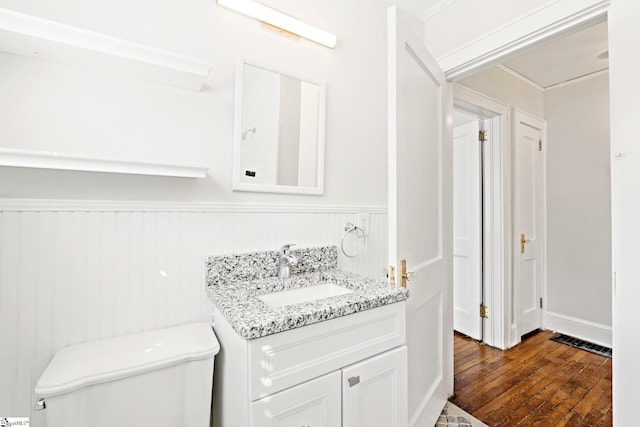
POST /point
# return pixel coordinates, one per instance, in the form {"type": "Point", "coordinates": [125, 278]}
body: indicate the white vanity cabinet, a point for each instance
{"type": "Point", "coordinates": [350, 371]}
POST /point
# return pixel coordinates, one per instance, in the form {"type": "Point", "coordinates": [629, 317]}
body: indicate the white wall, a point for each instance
{"type": "Point", "coordinates": [504, 87]}
{"type": "Point", "coordinates": [56, 108]}
{"type": "Point", "coordinates": [73, 270]}
{"type": "Point", "coordinates": [579, 209]}
{"type": "Point", "coordinates": [624, 18]}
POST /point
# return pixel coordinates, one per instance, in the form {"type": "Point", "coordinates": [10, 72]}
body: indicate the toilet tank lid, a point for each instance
{"type": "Point", "coordinates": [109, 359]}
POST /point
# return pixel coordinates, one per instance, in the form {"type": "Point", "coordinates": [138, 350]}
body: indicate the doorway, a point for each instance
{"type": "Point", "coordinates": [481, 218]}
{"type": "Point", "coordinates": [578, 199]}
{"type": "Point", "coordinates": [579, 189]}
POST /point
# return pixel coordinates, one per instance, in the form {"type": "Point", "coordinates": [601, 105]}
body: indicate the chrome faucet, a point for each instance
{"type": "Point", "coordinates": [286, 261]}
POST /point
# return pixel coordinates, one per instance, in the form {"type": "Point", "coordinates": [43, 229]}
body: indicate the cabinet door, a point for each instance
{"type": "Point", "coordinates": [315, 403]}
{"type": "Point", "coordinates": [374, 391]}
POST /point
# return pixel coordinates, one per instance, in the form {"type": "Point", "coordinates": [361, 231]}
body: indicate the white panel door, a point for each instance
{"type": "Point", "coordinates": [529, 219]}
{"type": "Point", "coordinates": [315, 403]}
{"type": "Point", "coordinates": [420, 211]}
{"type": "Point", "coordinates": [467, 230]}
{"type": "Point", "coordinates": [374, 391]}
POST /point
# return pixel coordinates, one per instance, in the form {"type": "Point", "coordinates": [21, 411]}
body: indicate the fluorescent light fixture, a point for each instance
{"type": "Point", "coordinates": [278, 19]}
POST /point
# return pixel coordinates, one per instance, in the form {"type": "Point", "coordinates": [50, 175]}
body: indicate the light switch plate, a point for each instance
{"type": "Point", "coordinates": [363, 222]}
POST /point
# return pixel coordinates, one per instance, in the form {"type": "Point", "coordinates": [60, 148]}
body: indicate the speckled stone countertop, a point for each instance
{"type": "Point", "coordinates": [251, 318]}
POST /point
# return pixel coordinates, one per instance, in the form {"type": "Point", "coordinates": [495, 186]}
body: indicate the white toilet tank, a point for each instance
{"type": "Point", "coordinates": [157, 378]}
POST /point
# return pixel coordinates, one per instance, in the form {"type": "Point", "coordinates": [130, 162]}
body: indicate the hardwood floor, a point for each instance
{"type": "Point", "coordinates": [537, 383]}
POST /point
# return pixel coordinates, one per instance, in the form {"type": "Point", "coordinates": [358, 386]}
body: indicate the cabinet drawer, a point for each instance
{"type": "Point", "coordinates": [283, 360]}
{"type": "Point", "coordinates": [316, 403]}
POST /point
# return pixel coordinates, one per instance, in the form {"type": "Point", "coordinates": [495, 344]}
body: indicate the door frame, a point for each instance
{"type": "Point", "coordinates": [497, 214]}
{"type": "Point", "coordinates": [529, 31]}
{"type": "Point", "coordinates": [532, 30]}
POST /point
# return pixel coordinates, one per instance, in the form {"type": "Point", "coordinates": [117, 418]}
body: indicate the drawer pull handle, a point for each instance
{"type": "Point", "coordinates": [354, 381]}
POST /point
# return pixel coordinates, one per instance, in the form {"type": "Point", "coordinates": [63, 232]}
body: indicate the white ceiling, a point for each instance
{"type": "Point", "coordinates": [568, 58]}
{"type": "Point", "coordinates": [425, 5]}
{"type": "Point", "coordinates": [420, 7]}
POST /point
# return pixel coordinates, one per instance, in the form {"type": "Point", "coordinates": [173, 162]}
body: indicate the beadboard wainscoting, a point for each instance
{"type": "Point", "coordinates": [72, 272]}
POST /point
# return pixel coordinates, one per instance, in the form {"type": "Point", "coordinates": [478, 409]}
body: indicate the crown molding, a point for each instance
{"type": "Point", "coordinates": [578, 79]}
{"type": "Point", "coordinates": [520, 77]}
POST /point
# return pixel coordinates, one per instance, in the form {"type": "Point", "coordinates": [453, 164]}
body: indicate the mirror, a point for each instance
{"type": "Point", "coordinates": [279, 131]}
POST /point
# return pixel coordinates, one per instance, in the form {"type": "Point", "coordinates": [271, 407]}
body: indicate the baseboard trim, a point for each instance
{"type": "Point", "coordinates": [58, 205]}
{"type": "Point", "coordinates": [596, 333]}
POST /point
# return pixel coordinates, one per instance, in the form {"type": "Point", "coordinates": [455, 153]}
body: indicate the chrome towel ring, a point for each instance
{"type": "Point", "coordinates": [349, 228]}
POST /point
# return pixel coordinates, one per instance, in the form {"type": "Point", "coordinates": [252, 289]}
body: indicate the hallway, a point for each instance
{"type": "Point", "coordinates": [539, 382]}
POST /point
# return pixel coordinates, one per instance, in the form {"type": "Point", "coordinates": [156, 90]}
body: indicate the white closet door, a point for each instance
{"type": "Point", "coordinates": [529, 219]}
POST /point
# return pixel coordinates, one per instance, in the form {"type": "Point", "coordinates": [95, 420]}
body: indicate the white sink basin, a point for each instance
{"type": "Point", "coordinates": [300, 295]}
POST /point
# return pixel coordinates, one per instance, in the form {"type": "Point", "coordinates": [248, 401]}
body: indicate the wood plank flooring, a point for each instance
{"type": "Point", "coordinates": [537, 383]}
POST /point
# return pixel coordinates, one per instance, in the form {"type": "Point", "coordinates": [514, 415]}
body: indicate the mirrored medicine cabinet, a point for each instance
{"type": "Point", "coordinates": [279, 130]}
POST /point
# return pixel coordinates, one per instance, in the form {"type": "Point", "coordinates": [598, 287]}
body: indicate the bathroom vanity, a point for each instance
{"type": "Point", "coordinates": [322, 348]}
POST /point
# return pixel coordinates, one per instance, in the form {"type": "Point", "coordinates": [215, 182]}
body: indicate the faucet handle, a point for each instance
{"type": "Point", "coordinates": [284, 250]}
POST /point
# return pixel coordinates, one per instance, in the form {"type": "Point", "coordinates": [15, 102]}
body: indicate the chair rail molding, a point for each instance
{"type": "Point", "coordinates": [62, 205]}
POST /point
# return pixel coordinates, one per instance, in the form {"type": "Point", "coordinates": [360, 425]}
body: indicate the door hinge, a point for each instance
{"type": "Point", "coordinates": [482, 135]}
{"type": "Point", "coordinates": [484, 311]}
{"type": "Point", "coordinates": [539, 145]}
{"type": "Point", "coordinates": [540, 302]}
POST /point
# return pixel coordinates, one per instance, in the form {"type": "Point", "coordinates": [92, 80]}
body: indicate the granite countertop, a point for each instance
{"type": "Point", "coordinates": [251, 318]}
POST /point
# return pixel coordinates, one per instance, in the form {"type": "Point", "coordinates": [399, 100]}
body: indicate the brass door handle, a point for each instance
{"type": "Point", "coordinates": [405, 276]}
{"type": "Point", "coordinates": [523, 241]}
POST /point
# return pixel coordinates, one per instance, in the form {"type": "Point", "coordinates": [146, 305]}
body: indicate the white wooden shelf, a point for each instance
{"type": "Point", "coordinates": [33, 37]}
{"type": "Point", "coordinates": [54, 160]}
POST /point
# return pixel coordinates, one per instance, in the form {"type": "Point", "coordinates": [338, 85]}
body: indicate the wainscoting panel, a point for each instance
{"type": "Point", "coordinates": [71, 274]}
